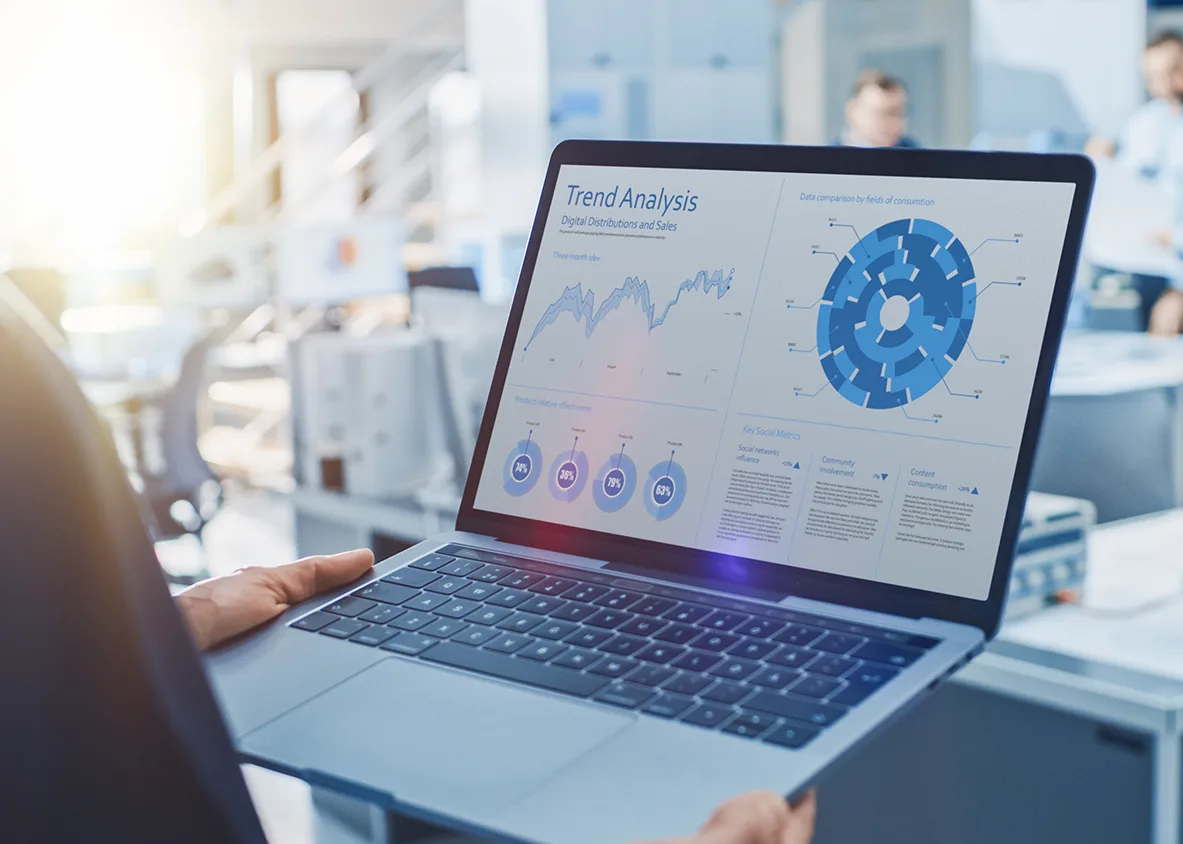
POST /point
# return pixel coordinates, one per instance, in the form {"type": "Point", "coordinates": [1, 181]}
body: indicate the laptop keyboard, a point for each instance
{"type": "Point", "coordinates": [747, 669]}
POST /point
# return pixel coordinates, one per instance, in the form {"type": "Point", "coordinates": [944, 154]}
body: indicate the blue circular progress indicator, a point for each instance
{"type": "Point", "coordinates": [665, 489]}
{"type": "Point", "coordinates": [522, 468]}
{"type": "Point", "coordinates": [615, 483]}
{"type": "Point", "coordinates": [896, 314]}
{"type": "Point", "coordinates": [568, 475]}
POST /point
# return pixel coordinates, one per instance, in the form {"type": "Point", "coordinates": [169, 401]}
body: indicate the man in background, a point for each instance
{"type": "Point", "coordinates": [877, 113]}
{"type": "Point", "coordinates": [1151, 146]}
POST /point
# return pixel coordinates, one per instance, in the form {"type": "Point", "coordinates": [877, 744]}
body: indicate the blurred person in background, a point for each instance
{"type": "Point", "coordinates": [1151, 145]}
{"type": "Point", "coordinates": [877, 113]}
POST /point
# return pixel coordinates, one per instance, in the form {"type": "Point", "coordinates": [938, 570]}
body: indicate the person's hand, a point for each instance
{"type": "Point", "coordinates": [221, 608]}
{"type": "Point", "coordinates": [1166, 318]}
{"type": "Point", "coordinates": [760, 817]}
{"type": "Point", "coordinates": [1098, 147]}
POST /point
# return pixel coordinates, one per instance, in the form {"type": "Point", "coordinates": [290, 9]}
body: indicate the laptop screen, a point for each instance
{"type": "Point", "coordinates": [831, 372]}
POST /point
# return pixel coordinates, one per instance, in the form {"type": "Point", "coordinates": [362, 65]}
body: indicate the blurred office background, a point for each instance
{"type": "Point", "coordinates": [276, 241]}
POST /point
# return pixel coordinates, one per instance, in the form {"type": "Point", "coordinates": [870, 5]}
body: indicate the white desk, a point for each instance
{"type": "Point", "coordinates": [1066, 730]}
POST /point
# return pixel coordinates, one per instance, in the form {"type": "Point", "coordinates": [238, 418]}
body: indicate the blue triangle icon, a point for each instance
{"type": "Point", "coordinates": [796, 465]}
{"type": "Point", "coordinates": [884, 476]}
{"type": "Point", "coordinates": [975, 492]}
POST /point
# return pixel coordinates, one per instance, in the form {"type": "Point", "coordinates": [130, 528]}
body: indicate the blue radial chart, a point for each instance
{"type": "Point", "coordinates": [896, 314]}
{"type": "Point", "coordinates": [615, 483]}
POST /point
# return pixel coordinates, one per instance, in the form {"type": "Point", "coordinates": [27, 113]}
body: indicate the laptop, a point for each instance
{"type": "Point", "coordinates": [747, 486]}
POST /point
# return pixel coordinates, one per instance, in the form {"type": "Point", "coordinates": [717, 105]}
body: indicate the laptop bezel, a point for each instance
{"type": "Point", "coordinates": [776, 577]}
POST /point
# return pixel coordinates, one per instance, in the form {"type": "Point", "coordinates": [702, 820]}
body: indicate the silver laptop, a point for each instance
{"type": "Point", "coordinates": [748, 485]}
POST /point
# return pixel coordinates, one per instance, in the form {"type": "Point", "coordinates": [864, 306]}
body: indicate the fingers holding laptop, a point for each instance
{"type": "Point", "coordinates": [759, 817]}
{"type": "Point", "coordinates": [218, 609]}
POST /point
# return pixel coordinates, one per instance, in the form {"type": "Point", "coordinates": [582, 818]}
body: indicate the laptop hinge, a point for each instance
{"type": "Point", "coordinates": [745, 590]}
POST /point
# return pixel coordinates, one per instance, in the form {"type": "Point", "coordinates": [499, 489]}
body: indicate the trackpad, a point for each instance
{"type": "Point", "coordinates": [435, 738]}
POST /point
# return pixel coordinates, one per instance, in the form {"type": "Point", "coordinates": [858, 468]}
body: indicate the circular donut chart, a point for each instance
{"type": "Point", "coordinates": [522, 468]}
{"type": "Point", "coordinates": [665, 489]}
{"type": "Point", "coordinates": [615, 483]}
{"type": "Point", "coordinates": [896, 314]}
{"type": "Point", "coordinates": [568, 475]}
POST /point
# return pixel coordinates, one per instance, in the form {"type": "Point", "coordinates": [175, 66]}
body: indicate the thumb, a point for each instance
{"type": "Point", "coordinates": [305, 578]}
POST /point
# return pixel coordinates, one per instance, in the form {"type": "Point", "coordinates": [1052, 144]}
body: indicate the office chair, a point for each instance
{"type": "Point", "coordinates": [110, 731]}
{"type": "Point", "coordinates": [184, 476]}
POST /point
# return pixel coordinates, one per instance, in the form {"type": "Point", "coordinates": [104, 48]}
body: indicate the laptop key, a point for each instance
{"type": "Point", "coordinates": [542, 605]}
{"type": "Point", "coordinates": [799, 709]}
{"type": "Point", "coordinates": [476, 636]}
{"type": "Point", "coordinates": [735, 669]}
{"type": "Point", "coordinates": [791, 657]}
{"type": "Point", "coordinates": [526, 671]}
{"type": "Point", "coordinates": [799, 634]}
{"type": "Point", "coordinates": [442, 628]}
{"type": "Point", "coordinates": [618, 599]}
{"type": "Point", "coordinates": [832, 666]}
{"type": "Point", "coordinates": [862, 684]}
{"type": "Point", "coordinates": [412, 577]}
{"type": "Point", "coordinates": [373, 636]}
{"type": "Point", "coordinates": [554, 586]}
{"type": "Point", "coordinates": [315, 621]}
{"type": "Point", "coordinates": [447, 585]}
{"type": "Point", "coordinates": [343, 628]}
{"type": "Point", "coordinates": [626, 695]}
{"type": "Point", "coordinates": [574, 612]}
{"type": "Point", "coordinates": [774, 677]}
{"type": "Point", "coordinates": [623, 645]}
{"type": "Point", "coordinates": [432, 562]}
{"type": "Point", "coordinates": [490, 615]}
{"type": "Point", "coordinates": [687, 613]}
{"type": "Point", "coordinates": [688, 684]}
{"type": "Point", "coordinates": [714, 641]}
{"type": "Point", "coordinates": [381, 614]}
{"type": "Point", "coordinates": [458, 608]}
{"type": "Point", "coordinates": [408, 643]}
{"type": "Point", "coordinates": [612, 666]}
{"type": "Point", "coordinates": [724, 620]}
{"type": "Point", "coordinates": [350, 607]}
{"type": "Point", "coordinates": [642, 626]}
{"type": "Point", "coordinates": [608, 619]}
{"type": "Point", "coordinates": [509, 598]}
{"type": "Point", "coordinates": [837, 643]}
{"type": "Point", "coordinates": [551, 629]}
{"type": "Point", "coordinates": [790, 735]}
{"type": "Point", "coordinates": [650, 605]}
{"type": "Point", "coordinates": [585, 592]}
{"type": "Point", "coordinates": [490, 573]}
{"type": "Point", "coordinates": [542, 651]}
{"type": "Point", "coordinates": [460, 568]}
{"type": "Point", "coordinates": [577, 658]}
{"type": "Point", "coordinates": [425, 602]}
{"type": "Point", "coordinates": [814, 685]}
{"type": "Point", "coordinates": [668, 706]}
{"type": "Point", "coordinates": [726, 691]}
{"type": "Point", "coordinates": [753, 649]}
{"type": "Point", "coordinates": [412, 620]}
{"type": "Point", "coordinates": [888, 653]}
{"type": "Point", "coordinates": [708, 715]}
{"type": "Point", "coordinates": [508, 643]}
{"type": "Point", "coordinates": [750, 724]}
{"type": "Point", "coordinates": [385, 593]}
{"type": "Point", "coordinates": [520, 622]}
{"type": "Point", "coordinates": [760, 628]}
{"type": "Point", "coordinates": [588, 637]}
{"type": "Point", "coordinates": [661, 653]}
{"type": "Point", "coordinates": [678, 634]}
{"type": "Point", "coordinates": [651, 675]}
{"type": "Point", "coordinates": [478, 591]}
{"type": "Point", "coordinates": [521, 580]}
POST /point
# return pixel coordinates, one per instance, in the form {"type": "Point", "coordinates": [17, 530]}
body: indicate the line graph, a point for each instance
{"type": "Point", "coordinates": [582, 306]}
